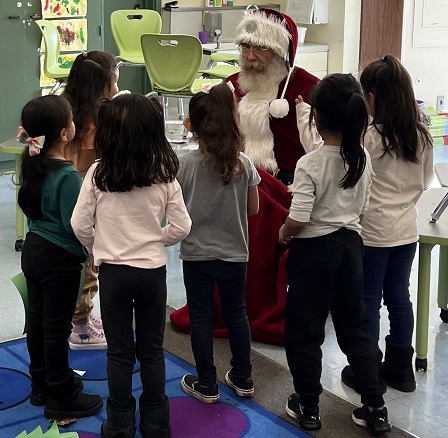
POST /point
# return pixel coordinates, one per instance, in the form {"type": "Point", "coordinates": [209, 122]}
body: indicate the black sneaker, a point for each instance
{"type": "Point", "coordinates": [38, 396]}
{"type": "Point", "coordinates": [206, 394]}
{"type": "Point", "coordinates": [244, 388]}
{"type": "Point", "coordinates": [375, 420]}
{"type": "Point", "coordinates": [307, 416]}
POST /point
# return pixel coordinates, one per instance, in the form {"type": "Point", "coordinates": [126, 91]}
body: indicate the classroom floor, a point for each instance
{"type": "Point", "coordinates": [422, 413]}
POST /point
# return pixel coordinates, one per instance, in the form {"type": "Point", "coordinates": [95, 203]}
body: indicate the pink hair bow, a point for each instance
{"type": "Point", "coordinates": [35, 144]}
{"type": "Point", "coordinates": [206, 87]}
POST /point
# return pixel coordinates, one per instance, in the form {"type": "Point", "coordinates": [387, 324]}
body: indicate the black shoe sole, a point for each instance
{"type": "Point", "coordinates": [62, 415]}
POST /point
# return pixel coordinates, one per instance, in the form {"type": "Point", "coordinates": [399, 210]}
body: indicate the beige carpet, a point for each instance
{"type": "Point", "coordinates": [273, 385]}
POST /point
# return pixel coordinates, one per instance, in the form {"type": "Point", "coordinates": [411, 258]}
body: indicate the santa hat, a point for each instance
{"type": "Point", "coordinates": [277, 31]}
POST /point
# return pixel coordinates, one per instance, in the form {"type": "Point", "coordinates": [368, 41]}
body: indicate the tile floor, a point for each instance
{"type": "Point", "coordinates": [422, 413]}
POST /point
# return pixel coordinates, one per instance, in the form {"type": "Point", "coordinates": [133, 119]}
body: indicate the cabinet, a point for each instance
{"type": "Point", "coordinates": [313, 58]}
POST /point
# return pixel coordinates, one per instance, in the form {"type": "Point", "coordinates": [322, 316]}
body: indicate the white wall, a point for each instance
{"type": "Point", "coordinates": [427, 66]}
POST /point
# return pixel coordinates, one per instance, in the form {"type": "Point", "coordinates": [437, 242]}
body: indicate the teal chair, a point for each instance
{"type": "Point", "coordinates": [173, 62]}
{"type": "Point", "coordinates": [128, 25]}
{"type": "Point", "coordinates": [19, 282]}
{"type": "Point", "coordinates": [52, 44]}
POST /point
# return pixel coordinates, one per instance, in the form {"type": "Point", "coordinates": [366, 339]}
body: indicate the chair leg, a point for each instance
{"type": "Point", "coordinates": [180, 108]}
{"type": "Point", "coordinates": [165, 109]}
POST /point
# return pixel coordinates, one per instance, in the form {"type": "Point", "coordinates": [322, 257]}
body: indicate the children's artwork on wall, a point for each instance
{"type": "Point", "coordinates": [64, 8]}
{"type": "Point", "coordinates": [64, 61]}
{"type": "Point", "coordinates": [72, 35]}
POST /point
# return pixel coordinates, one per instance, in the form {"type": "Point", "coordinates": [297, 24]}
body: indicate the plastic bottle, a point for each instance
{"type": "Point", "coordinates": [218, 3]}
{"type": "Point", "coordinates": [209, 3]}
{"type": "Point", "coordinates": [224, 3]}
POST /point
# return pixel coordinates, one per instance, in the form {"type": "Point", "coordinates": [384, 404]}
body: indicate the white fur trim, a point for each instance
{"type": "Point", "coordinates": [260, 30]}
{"type": "Point", "coordinates": [259, 144]}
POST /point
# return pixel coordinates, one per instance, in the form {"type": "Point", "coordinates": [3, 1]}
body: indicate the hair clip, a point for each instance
{"type": "Point", "coordinates": [35, 144]}
{"type": "Point", "coordinates": [84, 54]}
{"type": "Point", "coordinates": [206, 87]}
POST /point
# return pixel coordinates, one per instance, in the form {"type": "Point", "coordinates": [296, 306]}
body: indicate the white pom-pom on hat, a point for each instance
{"type": "Point", "coordinates": [279, 108]}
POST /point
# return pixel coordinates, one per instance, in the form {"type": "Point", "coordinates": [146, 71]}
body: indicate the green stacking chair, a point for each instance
{"type": "Point", "coordinates": [128, 25]}
{"type": "Point", "coordinates": [52, 49]}
{"type": "Point", "coordinates": [19, 282]}
{"type": "Point", "coordinates": [219, 71]}
{"type": "Point", "coordinates": [172, 62]}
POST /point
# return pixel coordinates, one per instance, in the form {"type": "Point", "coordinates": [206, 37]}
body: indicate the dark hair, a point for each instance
{"type": "Point", "coordinates": [48, 116]}
{"type": "Point", "coordinates": [397, 116]}
{"type": "Point", "coordinates": [131, 144]}
{"type": "Point", "coordinates": [89, 80]}
{"type": "Point", "coordinates": [214, 120]}
{"type": "Point", "coordinates": [341, 108]}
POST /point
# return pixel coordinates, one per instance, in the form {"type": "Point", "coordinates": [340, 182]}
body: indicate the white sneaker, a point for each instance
{"type": "Point", "coordinates": [87, 337]}
{"type": "Point", "coordinates": [96, 321]}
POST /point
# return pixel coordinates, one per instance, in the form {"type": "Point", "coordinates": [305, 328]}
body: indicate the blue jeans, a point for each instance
{"type": "Point", "coordinates": [200, 278]}
{"type": "Point", "coordinates": [386, 277]}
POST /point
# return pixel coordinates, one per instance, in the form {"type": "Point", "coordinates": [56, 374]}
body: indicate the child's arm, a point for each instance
{"type": "Point", "coordinates": [252, 201]}
{"type": "Point", "coordinates": [309, 137]}
{"type": "Point", "coordinates": [179, 221]}
{"type": "Point", "coordinates": [84, 213]}
{"type": "Point", "coordinates": [289, 229]}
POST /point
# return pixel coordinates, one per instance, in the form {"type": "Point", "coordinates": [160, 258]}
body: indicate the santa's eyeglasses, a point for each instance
{"type": "Point", "coordinates": [257, 50]}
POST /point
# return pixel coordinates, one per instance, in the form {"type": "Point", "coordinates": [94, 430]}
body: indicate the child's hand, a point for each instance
{"type": "Point", "coordinates": [299, 99]}
{"type": "Point", "coordinates": [282, 239]}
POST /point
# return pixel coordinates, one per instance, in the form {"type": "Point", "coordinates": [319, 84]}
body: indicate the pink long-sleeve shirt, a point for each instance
{"type": "Point", "coordinates": [124, 228]}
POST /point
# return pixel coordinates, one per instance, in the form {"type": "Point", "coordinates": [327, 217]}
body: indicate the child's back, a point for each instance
{"type": "Point", "coordinates": [218, 212]}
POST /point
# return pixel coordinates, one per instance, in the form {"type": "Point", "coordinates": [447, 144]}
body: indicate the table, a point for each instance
{"type": "Point", "coordinates": [12, 146]}
{"type": "Point", "coordinates": [430, 234]}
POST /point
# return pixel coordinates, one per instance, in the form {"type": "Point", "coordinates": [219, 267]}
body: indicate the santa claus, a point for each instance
{"type": "Point", "coordinates": [266, 88]}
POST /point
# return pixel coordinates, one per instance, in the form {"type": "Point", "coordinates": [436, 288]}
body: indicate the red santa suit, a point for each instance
{"type": "Point", "coordinates": [268, 119]}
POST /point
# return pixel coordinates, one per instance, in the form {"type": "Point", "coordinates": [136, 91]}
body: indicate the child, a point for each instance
{"type": "Point", "coordinates": [219, 184]}
{"type": "Point", "coordinates": [52, 257]}
{"type": "Point", "coordinates": [93, 77]}
{"type": "Point", "coordinates": [324, 267]}
{"type": "Point", "coordinates": [124, 199]}
{"type": "Point", "coordinates": [402, 157]}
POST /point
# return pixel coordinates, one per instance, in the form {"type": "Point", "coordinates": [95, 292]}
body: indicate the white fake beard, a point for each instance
{"type": "Point", "coordinates": [261, 87]}
{"type": "Point", "coordinates": [262, 78]}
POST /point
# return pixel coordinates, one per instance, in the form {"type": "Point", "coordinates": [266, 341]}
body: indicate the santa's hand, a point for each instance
{"type": "Point", "coordinates": [282, 239]}
{"type": "Point", "coordinates": [299, 99]}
